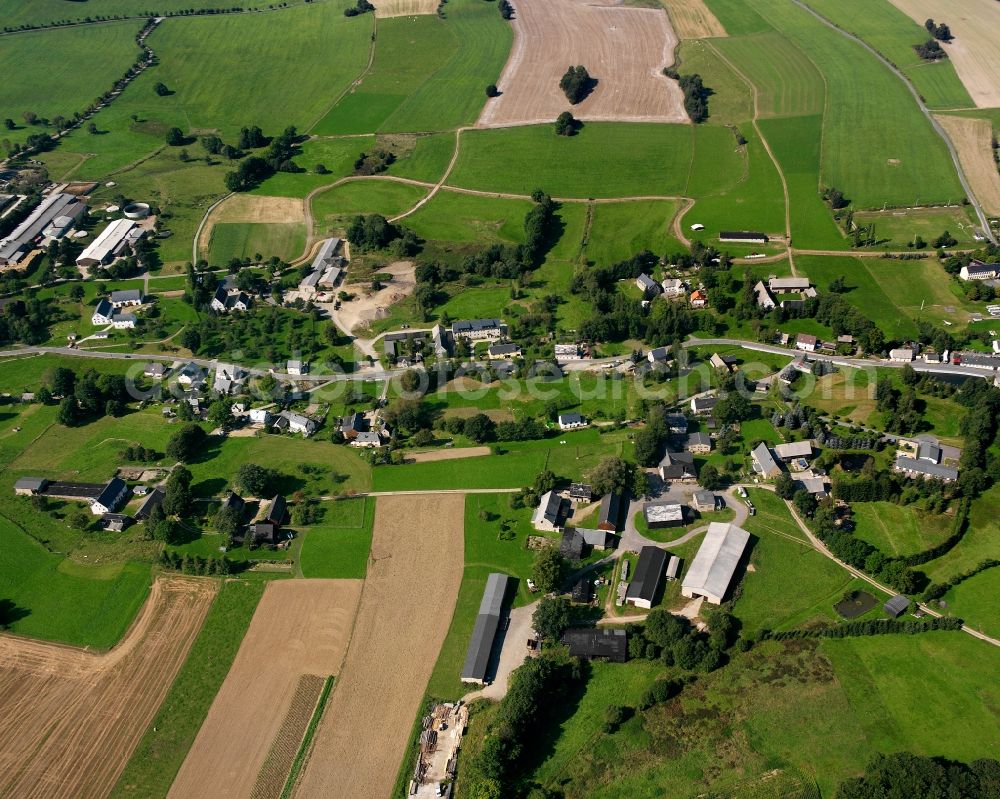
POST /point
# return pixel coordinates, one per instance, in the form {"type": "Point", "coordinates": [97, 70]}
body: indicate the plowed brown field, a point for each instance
{"type": "Point", "coordinates": [300, 627]}
{"type": "Point", "coordinates": [70, 719]}
{"type": "Point", "coordinates": [624, 49]}
{"type": "Point", "coordinates": [406, 608]}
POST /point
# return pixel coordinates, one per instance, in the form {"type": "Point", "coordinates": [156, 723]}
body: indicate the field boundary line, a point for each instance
{"type": "Point", "coordinates": [440, 183]}
{"type": "Point", "coordinates": [935, 125]}
{"type": "Point", "coordinates": [306, 744]}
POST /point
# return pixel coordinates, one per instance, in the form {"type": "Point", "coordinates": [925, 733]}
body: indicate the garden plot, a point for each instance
{"type": "Point", "coordinates": [70, 719]}
{"type": "Point", "coordinates": [624, 49]}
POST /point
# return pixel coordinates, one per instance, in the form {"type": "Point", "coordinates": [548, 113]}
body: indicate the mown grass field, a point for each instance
{"type": "Point", "coordinates": [781, 556]}
{"type": "Point", "coordinates": [894, 34]}
{"type": "Point", "coordinates": [43, 12]}
{"type": "Point", "coordinates": [517, 467]}
{"type": "Point", "coordinates": [61, 600]}
{"type": "Point", "coordinates": [429, 72]}
{"type": "Point", "coordinates": [981, 541]}
{"type": "Point", "coordinates": [975, 601]}
{"type": "Point", "coordinates": [229, 240]}
{"type": "Point", "coordinates": [788, 83]}
{"type": "Point", "coordinates": [900, 529]}
{"type": "Point", "coordinates": [731, 101]}
{"type": "Point", "coordinates": [162, 750]}
{"type": "Point", "coordinates": [331, 209]}
{"type": "Point", "coordinates": [338, 546]}
{"type": "Point", "coordinates": [58, 72]}
{"type": "Point", "coordinates": [597, 162]}
{"type": "Point", "coordinates": [897, 229]}
{"type": "Point", "coordinates": [620, 230]}
{"type": "Point", "coordinates": [450, 216]}
{"type": "Point", "coordinates": [242, 91]}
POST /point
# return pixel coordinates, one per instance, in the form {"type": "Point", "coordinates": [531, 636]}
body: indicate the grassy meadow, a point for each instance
{"type": "Point", "coordinates": [58, 72]}
{"type": "Point", "coordinates": [338, 547]}
{"type": "Point", "coordinates": [229, 240]}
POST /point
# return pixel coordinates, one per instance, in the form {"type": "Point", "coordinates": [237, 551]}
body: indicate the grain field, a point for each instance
{"type": "Point", "coordinates": [406, 608]}
{"type": "Point", "coordinates": [300, 627]}
{"type": "Point", "coordinates": [623, 48]}
{"type": "Point", "coordinates": [692, 19]}
{"type": "Point", "coordinates": [973, 138]}
{"type": "Point", "coordinates": [404, 8]}
{"type": "Point", "coordinates": [70, 719]}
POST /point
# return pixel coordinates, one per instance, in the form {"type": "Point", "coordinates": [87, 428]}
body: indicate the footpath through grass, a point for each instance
{"type": "Point", "coordinates": [162, 750]}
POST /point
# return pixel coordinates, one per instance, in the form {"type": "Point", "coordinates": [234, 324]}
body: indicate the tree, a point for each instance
{"type": "Point", "coordinates": [566, 124]}
{"type": "Point", "coordinates": [492, 90]}
{"type": "Point", "coordinates": [733, 408]}
{"type": "Point", "coordinates": [944, 240]}
{"type": "Point", "coordinates": [257, 481]}
{"type": "Point", "coordinates": [784, 486]}
{"type": "Point", "coordinates": [480, 428]}
{"type": "Point", "coordinates": [220, 412]}
{"type": "Point", "coordinates": [9, 124]}
{"type": "Point", "coordinates": [665, 629]}
{"type": "Point", "coordinates": [710, 479]}
{"type": "Point", "coordinates": [576, 84]}
{"type": "Point", "coordinates": [614, 717]}
{"type": "Point", "coordinates": [544, 481]}
{"type": "Point", "coordinates": [62, 381]}
{"type": "Point", "coordinates": [175, 137]}
{"type": "Point", "coordinates": [185, 443]}
{"type": "Point", "coordinates": [92, 128]}
{"type": "Point", "coordinates": [177, 497]}
{"type": "Point", "coordinates": [80, 520]}
{"type": "Point", "coordinates": [552, 618]}
{"type": "Point", "coordinates": [549, 569]}
{"type": "Point", "coordinates": [69, 412]}
{"type": "Point", "coordinates": [612, 475]}
{"type": "Point", "coordinates": [161, 89]}
{"type": "Point", "coordinates": [410, 381]}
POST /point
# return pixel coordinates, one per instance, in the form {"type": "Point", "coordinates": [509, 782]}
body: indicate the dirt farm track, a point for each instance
{"type": "Point", "coordinates": [406, 607]}
{"type": "Point", "coordinates": [300, 628]}
{"type": "Point", "coordinates": [70, 719]}
{"type": "Point", "coordinates": [623, 48]}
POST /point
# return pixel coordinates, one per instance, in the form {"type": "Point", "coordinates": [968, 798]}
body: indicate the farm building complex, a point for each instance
{"type": "Point", "coordinates": [711, 573]}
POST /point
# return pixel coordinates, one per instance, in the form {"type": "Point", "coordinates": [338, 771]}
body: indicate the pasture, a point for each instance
{"type": "Point", "coordinates": [975, 601]}
{"type": "Point", "coordinates": [882, 25]}
{"type": "Point", "coordinates": [594, 163]}
{"type": "Point", "coordinates": [900, 529]}
{"type": "Point", "coordinates": [862, 156]}
{"type": "Point", "coordinates": [58, 72]}
{"type": "Point", "coordinates": [429, 73]}
{"type": "Point", "coordinates": [620, 230]}
{"type": "Point", "coordinates": [338, 547]}
{"type": "Point", "coordinates": [787, 81]}
{"type": "Point", "coordinates": [71, 719]}
{"type": "Point", "coordinates": [333, 208]}
{"type": "Point", "coordinates": [299, 635]}
{"type": "Point", "coordinates": [403, 617]}
{"type": "Point", "coordinates": [46, 12]}
{"type": "Point", "coordinates": [623, 47]}
{"type": "Point", "coordinates": [452, 216]}
{"type": "Point", "coordinates": [228, 240]}
{"type": "Point", "coordinates": [980, 542]}
{"type": "Point", "coordinates": [898, 228]}
{"type": "Point", "coordinates": [731, 101]}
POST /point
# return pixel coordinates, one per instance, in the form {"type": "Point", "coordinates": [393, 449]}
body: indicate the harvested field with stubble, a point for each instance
{"type": "Point", "coordinates": [70, 719]}
{"type": "Point", "coordinates": [255, 209]}
{"type": "Point", "coordinates": [973, 138]}
{"type": "Point", "coordinates": [623, 48]}
{"type": "Point", "coordinates": [975, 25]}
{"type": "Point", "coordinates": [404, 8]}
{"type": "Point", "coordinates": [301, 627]}
{"type": "Point", "coordinates": [692, 19]}
{"type": "Point", "coordinates": [406, 608]}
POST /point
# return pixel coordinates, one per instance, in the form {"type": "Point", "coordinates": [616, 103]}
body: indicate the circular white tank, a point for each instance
{"type": "Point", "coordinates": [136, 211]}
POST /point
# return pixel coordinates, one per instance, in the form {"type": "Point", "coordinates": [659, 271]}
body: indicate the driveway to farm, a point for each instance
{"type": "Point", "coordinates": [513, 653]}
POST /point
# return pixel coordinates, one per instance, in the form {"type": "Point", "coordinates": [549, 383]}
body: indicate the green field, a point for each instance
{"type": "Point", "coordinates": [781, 556]}
{"type": "Point", "coordinates": [337, 155]}
{"type": "Point", "coordinates": [62, 600]}
{"type": "Point", "coordinates": [594, 163]}
{"type": "Point", "coordinates": [896, 229]}
{"type": "Point", "coordinates": [517, 467]}
{"type": "Point", "coordinates": [287, 240]}
{"type": "Point", "coordinates": [162, 750]}
{"type": "Point", "coordinates": [450, 216]}
{"type": "Point", "coordinates": [975, 601]}
{"type": "Point", "coordinates": [429, 72]}
{"type": "Point", "coordinates": [333, 207]}
{"type": "Point", "coordinates": [338, 547]}
{"type": "Point", "coordinates": [79, 64]}
{"type": "Point", "coordinates": [44, 12]}
{"type": "Point", "coordinates": [731, 101]}
{"type": "Point", "coordinates": [981, 541]}
{"type": "Point", "coordinates": [788, 83]}
{"type": "Point", "coordinates": [900, 529]}
{"type": "Point", "coordinates": [893, 34]}
{"type": "Point", "coordinates": [619, 230]}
